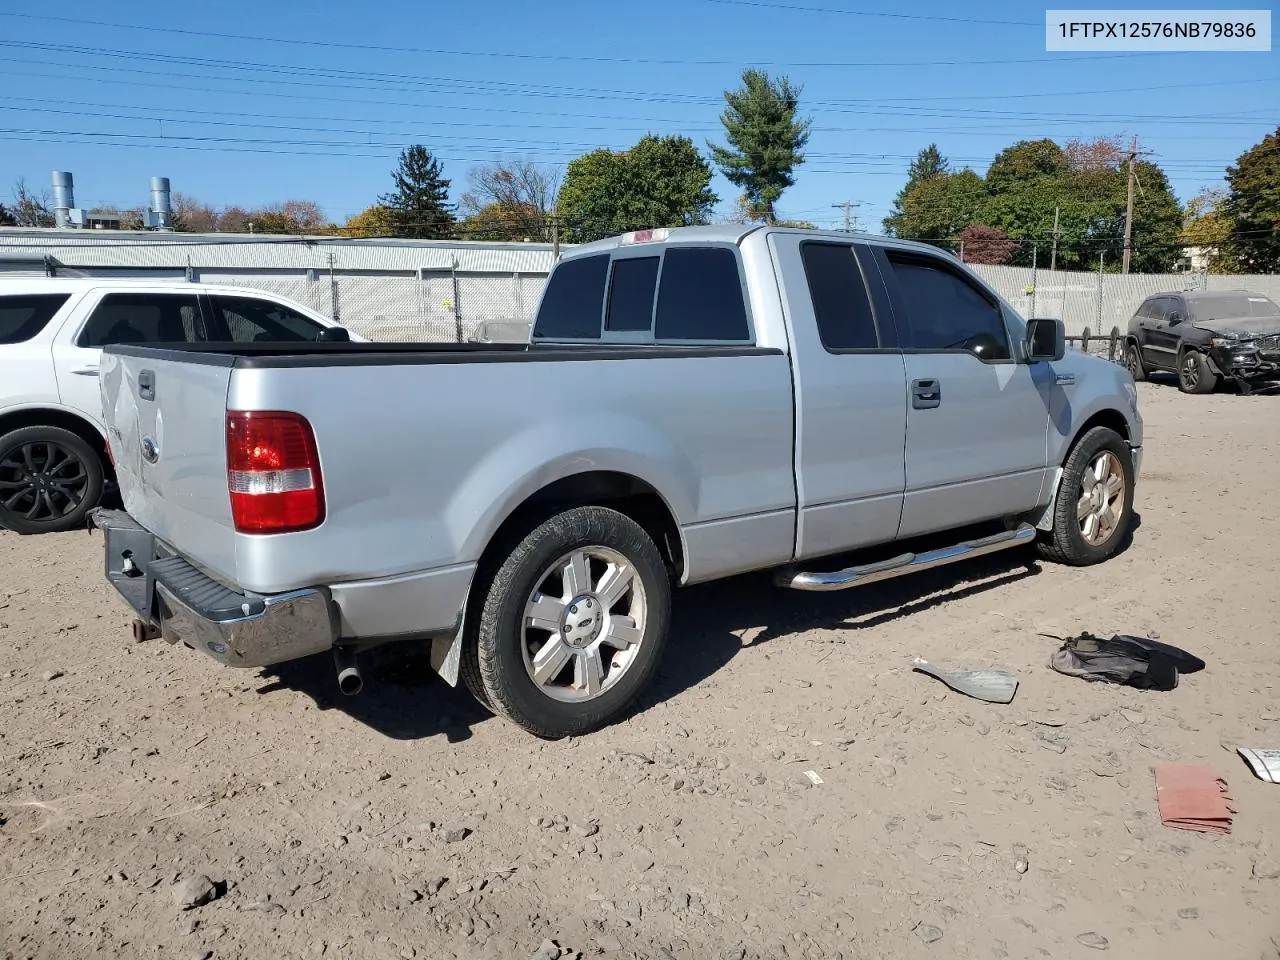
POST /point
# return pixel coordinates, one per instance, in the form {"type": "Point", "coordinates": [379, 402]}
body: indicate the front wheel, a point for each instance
{"type": "Point", "coordinates": [571, 625]}
{"type": "Point", "coordinates": [1133, 362]}
{"type": "Point", "coordinates": [50, 479]}
{"type": "Point", "coordinates": [1194, 375]}
{"type": "Point", "coordinates": [1095, 501]}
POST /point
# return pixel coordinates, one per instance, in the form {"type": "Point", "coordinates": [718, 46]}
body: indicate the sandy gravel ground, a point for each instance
{"type": "Point", "coordinates": [406, 823]}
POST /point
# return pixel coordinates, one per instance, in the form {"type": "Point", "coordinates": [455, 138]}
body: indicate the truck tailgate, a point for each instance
{"type": "Point", "coordinates": [166, 420]}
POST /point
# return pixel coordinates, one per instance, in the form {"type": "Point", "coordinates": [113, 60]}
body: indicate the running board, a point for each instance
{"type": "Point", "coordinates": [906, 563]}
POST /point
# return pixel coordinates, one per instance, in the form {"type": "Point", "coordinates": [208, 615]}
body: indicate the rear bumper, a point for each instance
{"type": "Point", "coordinates": [184, 605]}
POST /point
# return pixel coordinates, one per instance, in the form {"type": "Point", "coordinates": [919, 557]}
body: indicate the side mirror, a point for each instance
{"type": "Point", "coordinates": [1175, 318]}
{"type": "Point", "coordinates": [1046, 340]}
{"type": "Point", "coordinates": [333, 335]}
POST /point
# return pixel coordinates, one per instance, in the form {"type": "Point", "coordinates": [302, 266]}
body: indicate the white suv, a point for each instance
{"type": "Point", "coordinates": [53, 455]}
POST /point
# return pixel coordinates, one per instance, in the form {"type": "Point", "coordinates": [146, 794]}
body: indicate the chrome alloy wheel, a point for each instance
{"type": "Point", "coordinates": [1101, 499]}
{"type": "Point", "coordinates": [583, 624]}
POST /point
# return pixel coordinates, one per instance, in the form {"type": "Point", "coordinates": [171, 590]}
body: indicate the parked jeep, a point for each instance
{"type": "Point", "coordinates": [1206, 337]}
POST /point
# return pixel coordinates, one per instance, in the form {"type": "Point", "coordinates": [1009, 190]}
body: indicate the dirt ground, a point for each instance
{"type": "Point", "coordinates": [407, 823]}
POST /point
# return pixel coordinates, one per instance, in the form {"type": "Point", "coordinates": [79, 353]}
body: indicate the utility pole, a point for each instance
{"type": "Point", "coordinates": [555, 233]}
{"type": "Point", "coordinates": [846, 206]}
{"type": "Point", "coordinates": [1053, 255]}
{"type": "Point", "coordinates": [1128, 210]}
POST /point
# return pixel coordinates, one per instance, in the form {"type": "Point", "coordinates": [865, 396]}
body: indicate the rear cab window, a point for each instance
{"type": "Point", "coordinates": [685, 294]}
{"type": "Point", "coordinates": [841, 305]}
{"type": "Point", "coordinates": [23, 316]}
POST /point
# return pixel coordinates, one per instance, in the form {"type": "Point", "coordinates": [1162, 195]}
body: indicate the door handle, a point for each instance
{"type": "Point", "coordinates": [85, 371]}
{"type": "Point", "coordinates": [147, 384]}
{"type": "Point", "coordinates": [926, 394]}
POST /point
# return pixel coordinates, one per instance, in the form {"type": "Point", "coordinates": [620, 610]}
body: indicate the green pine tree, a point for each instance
{"type": "Point", "coordinates": [766, 140]}
{"type": "Point", "coordinates": [929, 163]}
{"type": "Point", "coordinates": [419, 204]}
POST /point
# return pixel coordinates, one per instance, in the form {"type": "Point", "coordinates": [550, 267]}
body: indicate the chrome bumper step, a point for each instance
{"type": "Point", "coordinates": [905, 564]}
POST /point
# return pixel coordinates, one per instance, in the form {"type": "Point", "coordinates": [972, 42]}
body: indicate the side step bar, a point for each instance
{"type": "Point", "coordinates": [906, 563]}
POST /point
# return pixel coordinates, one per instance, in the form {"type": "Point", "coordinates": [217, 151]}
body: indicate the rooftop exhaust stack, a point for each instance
{"type": "Point", "coordinates": [160, 216]}
{"type": "Point", "coordinates": [65, 213]}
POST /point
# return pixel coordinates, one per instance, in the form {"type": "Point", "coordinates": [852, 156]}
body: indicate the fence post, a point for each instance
{"type": "Point", "coordinates": [334, 300]}
{"type": "Point", "coordinates": [1115, 340]}
{"type": "Point", "coordinates": [1084, 340]}
{"type": "Point", "coordinates": [457, 307]}
{"type": "Point", "coordinates": [1034, 248]}
{"type": "Point", "coordinates": [1101, 254]}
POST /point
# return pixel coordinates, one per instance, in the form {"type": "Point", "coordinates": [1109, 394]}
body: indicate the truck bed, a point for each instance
{"type": "Point", "coordinates": [327, 354]}
{"type": "Point", "coordinates": [425, 449]}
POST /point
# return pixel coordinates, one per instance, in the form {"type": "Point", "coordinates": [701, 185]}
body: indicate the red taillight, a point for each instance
{"type": "Point", "coordinates": [273, 471]}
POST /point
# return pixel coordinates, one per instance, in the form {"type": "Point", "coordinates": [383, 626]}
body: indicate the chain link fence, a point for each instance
{"type": "Point", "coordinates": [1099, 302]}
{"type": "Point", "coordinates": [434, 306]}
{"type": "Point", "coordinates": [442, 291]}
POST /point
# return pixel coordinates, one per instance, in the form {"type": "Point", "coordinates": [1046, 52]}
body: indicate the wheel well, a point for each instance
{"type": "Point", "coordinates": [46, 417]}
{"type": "Point", "coordinates": [618, 491]}
{"type": "Point", "coordinates": [1103, 418]}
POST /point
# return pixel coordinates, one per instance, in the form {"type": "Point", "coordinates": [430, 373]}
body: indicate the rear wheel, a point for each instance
{"type": "Point", "coordinates": [50, 479]}
{"type": "Point", "coordinates": [1095, 501]}
{"type": "Point", "coordinates": [1194, 375]}
{"type": "Point", "coordinates": [571, 625]}
{"type": "Point", "coordinates": [1133, 363]}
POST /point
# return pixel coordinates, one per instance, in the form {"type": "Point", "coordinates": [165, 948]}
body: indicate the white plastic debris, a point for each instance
{"type": "Point", "coordinates": [994, 686]}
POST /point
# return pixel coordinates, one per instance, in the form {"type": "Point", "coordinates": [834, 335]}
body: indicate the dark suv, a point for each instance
{"type": "Point", "coordinates": [1206, 337]}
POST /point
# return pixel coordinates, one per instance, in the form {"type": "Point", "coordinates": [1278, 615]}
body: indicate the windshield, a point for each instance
{"type": "Point", "coordinates": [1231, 306]}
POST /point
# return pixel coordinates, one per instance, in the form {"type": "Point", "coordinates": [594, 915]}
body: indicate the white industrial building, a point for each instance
{"type": "Point", "coordinates": [384, 289]}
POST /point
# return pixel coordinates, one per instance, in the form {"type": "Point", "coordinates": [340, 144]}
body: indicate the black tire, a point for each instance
{"type": "Point", "coordinates": [1133, 363]}
{"type": "Point", "coordinates": [493, 655]}
{"type": "Point", "coordinates": [1194, 375]}
{"type": "Point", "coordinates": [1066, 542]}
{"type": "Point", "coordinates": [50, 479]}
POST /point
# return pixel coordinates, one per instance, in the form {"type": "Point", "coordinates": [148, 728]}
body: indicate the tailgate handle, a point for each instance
{"type": "Point", "coordinates": [147, 384]}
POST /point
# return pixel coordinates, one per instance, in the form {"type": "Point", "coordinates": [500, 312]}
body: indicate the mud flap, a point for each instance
{"type": "Point", "coordinates": [446, 651]}
{"type": "Point", "coordinates": [1044, 520]}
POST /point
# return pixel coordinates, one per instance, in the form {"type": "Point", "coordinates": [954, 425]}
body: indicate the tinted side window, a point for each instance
{"type": "Point", "coordinates": [23, 316]}
{"type": "Point", "coordinates": [700, 296]}
{"type": "Point", "coordinates": [839, 297]}
{"type": "Point", "coordinates": [253, 321]}
{"type": "Point", "coordinates": [631, 294]}
{"type": "Point", "coordinates": [144, 318]}
{"type": "Point", "coordinates": [573, 300]}
{"type": "Point", "coordinates": [948, 313]}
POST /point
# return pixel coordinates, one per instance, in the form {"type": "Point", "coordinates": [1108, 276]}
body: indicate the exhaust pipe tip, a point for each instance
{"type": "Point", "coordinates": [350, 680]}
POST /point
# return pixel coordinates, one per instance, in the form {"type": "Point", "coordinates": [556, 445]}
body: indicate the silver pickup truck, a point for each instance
{"type": "Point", "coordinates": [692, 404]}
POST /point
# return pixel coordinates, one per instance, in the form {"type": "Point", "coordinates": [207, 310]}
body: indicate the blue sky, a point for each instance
{"type": "Point", "coordinates": [235, 119]}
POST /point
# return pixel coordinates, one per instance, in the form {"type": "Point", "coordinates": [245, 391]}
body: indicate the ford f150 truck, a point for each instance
{"type": "Point", "coordinates": [53, 462]}
{"type": "Point", "coordinates": [693, 403]}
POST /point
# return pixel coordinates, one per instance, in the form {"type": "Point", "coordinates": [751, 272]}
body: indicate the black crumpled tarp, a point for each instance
{"type": "Point", "coordinates": [1133, 661]}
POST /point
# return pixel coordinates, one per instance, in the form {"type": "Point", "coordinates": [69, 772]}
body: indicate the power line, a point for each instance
{"type": "Point", "coordinates": [878, 13]}
{"type": "Point", "coordinates": [467, 87]}
{"type": "Point", "coordinates": [381, 48]}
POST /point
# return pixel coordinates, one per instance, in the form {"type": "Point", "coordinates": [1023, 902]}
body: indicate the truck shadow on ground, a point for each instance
{"type": "Point", "coordinates": [711, 624]}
